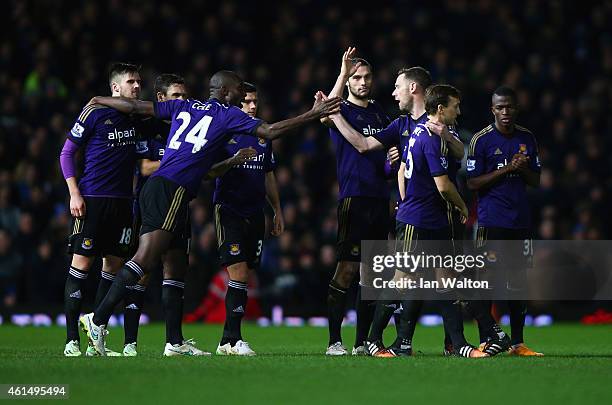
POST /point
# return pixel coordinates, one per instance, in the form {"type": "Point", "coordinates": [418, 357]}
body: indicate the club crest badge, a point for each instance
{"type": "Point", "coordinates": [234, 249]}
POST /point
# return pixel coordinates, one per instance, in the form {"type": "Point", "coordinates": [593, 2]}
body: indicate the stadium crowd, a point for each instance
{"type": "Point", "coordinates": [54, 56]}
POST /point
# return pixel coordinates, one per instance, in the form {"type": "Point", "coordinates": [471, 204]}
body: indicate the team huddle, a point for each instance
{"type": "Point", "coordinates": [176, 142]}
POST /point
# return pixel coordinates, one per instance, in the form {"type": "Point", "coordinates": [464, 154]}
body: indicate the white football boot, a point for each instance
{"type": "Point", "coordinates": [336, 350]}
{"type": "Point", "coordinates": [72, 349]}
{"type": "Point", "coordinates": [95, 333]}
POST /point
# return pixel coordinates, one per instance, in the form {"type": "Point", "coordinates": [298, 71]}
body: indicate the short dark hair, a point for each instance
{"type": "Point", "coordinates": [165, 80]}
{"type": "Point", "coordinates": [224, 78]}
{"type": "Point", "coordinates": [363, 63]}
{"type": "Point", "coordinates": [120, 68]}
{"type": "Point", "coordinates": [249, 87]}
{"type": "Point", "coordinates": [439, 94]}
{"type": "Point", "coordinates": [505, 91]}
{"type": "Point", "coordinates": [417, 74]}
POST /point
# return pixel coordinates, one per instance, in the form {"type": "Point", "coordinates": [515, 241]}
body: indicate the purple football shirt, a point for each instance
{"type": "Point", "coordinates": [360, 174]}
{"type": "Point", "coordinates": [242, 189]}
{"type": "Point", "coordinates": [425, 158]}
{"type": "Point", "coordinates": [505, 204]}
{"type": "Point", "coordinates": [198, 132]}
{"type": "Point", "coordinates": [112, 144]}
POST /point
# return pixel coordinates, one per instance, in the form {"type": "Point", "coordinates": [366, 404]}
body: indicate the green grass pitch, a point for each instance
{"type": "Point", "coordinates": [291, 369]}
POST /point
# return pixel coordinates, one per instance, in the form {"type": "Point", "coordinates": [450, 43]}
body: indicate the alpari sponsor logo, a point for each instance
{"type": "Point", "coordinates": [122, 138]}
{"type": "Point", "coordinates": [370, 131]}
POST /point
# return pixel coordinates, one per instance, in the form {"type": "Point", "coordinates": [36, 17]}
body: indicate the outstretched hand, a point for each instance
{"type": "Point", "coordinates": [325, 106]}
{"type": "Point", "coordinates": [243, 155]}
{"type": "Point", "coordinates": [349, 66]}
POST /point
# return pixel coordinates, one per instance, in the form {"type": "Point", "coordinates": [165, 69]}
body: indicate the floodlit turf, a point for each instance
{"type": "Point", "coordinates": [291, 368]}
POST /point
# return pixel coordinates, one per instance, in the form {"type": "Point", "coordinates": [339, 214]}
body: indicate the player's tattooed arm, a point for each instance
{"type": "Point", "coordinates": [125, 105]}
{"type": "Point", "coordinates": [361, 143]}
{"type": "Point", "coordinates": [347, 68]}
{"type": "Point", "coordinates": [322, 107]}
{"type": "Point", "coordinates": [272, 195]}
{"type": "Point", "coordinates": [449, 192]}
{"type": "Point", "coordinates": [222, 167]}
{"type": "Point", "coordinates": [455, 146]}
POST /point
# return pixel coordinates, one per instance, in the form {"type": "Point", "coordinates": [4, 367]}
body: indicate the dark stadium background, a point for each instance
{"type": "Point", "coordinates": [54, 55]}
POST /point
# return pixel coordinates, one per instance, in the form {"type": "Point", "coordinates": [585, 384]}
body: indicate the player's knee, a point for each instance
{"type": "Point", "coordinates": [238, 272]}
{"type": "Point", "coordinates": [175, 264]}
{"type": "Point", "coordinates": [345, 272]}
{"type": "Point", "coordinates": [82, 263]}
{"type": "Point", "coordinates": [112, 264]}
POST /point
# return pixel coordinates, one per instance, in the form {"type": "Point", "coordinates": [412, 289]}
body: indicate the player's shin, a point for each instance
{"type": "Point", "coordinates": [409, 318]}
{"type": "Point", "coordinates": [382, 315]}
{"type": "Point", "coordinates": [172, 303]}
{"type": "Point", "coordinates": [73, 292]}
{"type": "Point", "coordinates": [134, 301]}
{"type": "Point", "coordinates": [365, 315]}
{"type": "Point", "coordinates": [129, 274]}
{"type": "Point", "coordinates": [235, 307]}
{"type": "Point", "coordinates": [517, 309]}
{"type": "Point", "coordinates": [486, 307]}
{"type": "Point", "coordinates": [453, 324]}
{"type": "Point", "coordinates": [106, 280]}
{"type": "Point", "coordinates": [336, 306]}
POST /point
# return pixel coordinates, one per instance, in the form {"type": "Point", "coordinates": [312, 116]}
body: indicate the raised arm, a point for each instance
{"type": "Point", "coordinates": [347, 68]}
{"type": "Point", "coordinates": [322, 107]}
{"type": "Point", "coordinates": [125, 105]}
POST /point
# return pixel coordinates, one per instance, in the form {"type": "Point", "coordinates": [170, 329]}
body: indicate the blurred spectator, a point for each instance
{"type": "Point", "coordinates": [10, 267]}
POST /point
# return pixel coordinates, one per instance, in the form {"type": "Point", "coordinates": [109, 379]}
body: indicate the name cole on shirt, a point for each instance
{"type": "Point", "coordinates": [200, 107]}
